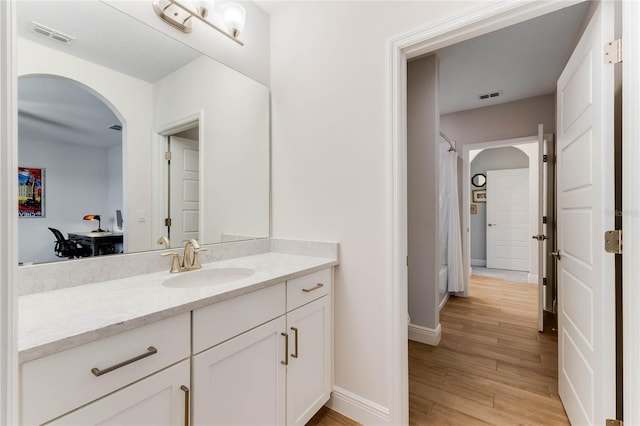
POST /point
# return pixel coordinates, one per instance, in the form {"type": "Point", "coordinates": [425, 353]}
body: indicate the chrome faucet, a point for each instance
{"type": "Point", "coordinates": [189, 261]}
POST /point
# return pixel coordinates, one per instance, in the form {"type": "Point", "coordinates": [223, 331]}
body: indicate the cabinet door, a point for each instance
{"type": "Point", "coordinates": [242, 381]}
{"type": "Point", "coordinates": [309, 371]}
{"type": "Point", "coordinates": [157, 400]}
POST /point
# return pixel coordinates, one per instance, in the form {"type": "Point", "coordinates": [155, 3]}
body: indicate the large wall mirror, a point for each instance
{"type": "Point", "coordinates": [125, 130]}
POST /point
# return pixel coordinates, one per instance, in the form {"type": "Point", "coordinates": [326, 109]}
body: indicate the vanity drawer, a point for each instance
{"type": "Point", "coordinates": [307, 288]}
{"type": "Point", "coordinates": [56, 384]}
{"type": "Point", "coordinates": [223, 320]}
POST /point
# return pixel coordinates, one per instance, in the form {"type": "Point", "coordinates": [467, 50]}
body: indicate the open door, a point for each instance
{"type": "Point", "coordinates": [542, 235]}
{"type": "Point", "coordinates": [184, 201]}
{"type": "Point", "coordinates": [585, 200]}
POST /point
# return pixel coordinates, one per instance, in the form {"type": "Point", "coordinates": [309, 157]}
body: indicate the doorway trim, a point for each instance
{"type": "Point", "coordinates": [466, 201]}
{"type": "Point", "coordinates": [631, 209]}
{"type": "Point", "coordinates": [159, 172]}
{"type": "Point", "coordinates": [476, 21]}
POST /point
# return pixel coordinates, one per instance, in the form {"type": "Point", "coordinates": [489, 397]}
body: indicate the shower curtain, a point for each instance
{"type": "Point", "coordinates": [455, 270]}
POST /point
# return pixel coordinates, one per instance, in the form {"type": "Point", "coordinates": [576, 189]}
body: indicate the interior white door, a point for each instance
{"type": "Point", "coordinates": [585, 197]}
{"type": "Point", "coordinates": [184, 199]}
{"type": "Point", "coordinates": [541, 231]}
{"type": "Point", "coordinates": [508, 219]}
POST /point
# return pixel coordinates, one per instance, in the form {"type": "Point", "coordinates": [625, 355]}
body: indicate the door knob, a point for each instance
{"type": "Point", "coordinates": [556, 254]}
{"type": "Point", "coordinates": [540, 237]}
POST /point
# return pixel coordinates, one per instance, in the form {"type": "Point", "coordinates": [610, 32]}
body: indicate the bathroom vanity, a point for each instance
{"type": "Point", "coordinates": [253, 350]}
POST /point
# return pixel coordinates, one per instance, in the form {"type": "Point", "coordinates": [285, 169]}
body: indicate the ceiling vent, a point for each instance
{"type": "Point", "coordinates": [489, 95]}
{"type": "Point", "coordinates": [51, 33]}
{"type": "Point", "coordinates": [116, 127]}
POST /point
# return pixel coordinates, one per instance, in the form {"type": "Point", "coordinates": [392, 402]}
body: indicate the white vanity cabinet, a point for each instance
{"type": "Point", "coordinates": [242, 381]}
{"type": "Point", "coordinates": [159, 400]}
{"type": "Point", "coordinates": [65, 381]}
{"type": "Point", "coordinates": [309, 329]}
{"type": "Point", "coordinates": [278, 371]}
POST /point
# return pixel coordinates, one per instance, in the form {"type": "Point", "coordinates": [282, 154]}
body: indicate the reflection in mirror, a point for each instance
{"type": "Point", "coordinates": [155, 89]}
{"type": "Point", "coordinates": [478, 180]}
{"type": "Point", "coordinates": [182, 188]}
{"type": "Point", "coordinates": [71, 134]}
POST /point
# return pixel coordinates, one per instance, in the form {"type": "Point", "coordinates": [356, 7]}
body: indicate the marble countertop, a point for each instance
{"type": "Point", "coordinates": [54, 321]}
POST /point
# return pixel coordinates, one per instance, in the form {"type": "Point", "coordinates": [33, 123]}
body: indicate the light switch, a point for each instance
{"type": "Point", "coordinates": [142, 217]}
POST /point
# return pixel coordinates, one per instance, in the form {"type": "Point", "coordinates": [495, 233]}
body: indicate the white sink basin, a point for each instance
{"type": "Point", "coordinates": [207, 277]}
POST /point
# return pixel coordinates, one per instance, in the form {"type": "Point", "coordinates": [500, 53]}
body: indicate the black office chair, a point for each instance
{"type": "Point", "coordinates": [68, 248]}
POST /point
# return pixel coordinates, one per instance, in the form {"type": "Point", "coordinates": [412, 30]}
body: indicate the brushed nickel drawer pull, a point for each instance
{"type": "Point", "coordinates": [150, 351]}
{"type": "Point", "coordinates": [295, 355]}
{"type": "Point", "coordinates": [286, 349]}
{"type": "Point", "coordinates": [186, 404]}
{"type": "Point", "coordinates": [309, 290]}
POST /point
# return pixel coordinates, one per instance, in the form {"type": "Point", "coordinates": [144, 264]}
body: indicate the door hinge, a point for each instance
{"type": "Point", "coordinates": [167, 221]}
{"type": "Point", "coordinates": [613, 52]}
{"type": "Point", "coordinates": [544, 281]}
{"type": "Point", "coordinates": [407, 260]}
{"type": "Point", "coordinates": [167, 155]}
{"type": "Point", "coordinates": [544, 219]}
{"type": "Point", "coordinates": [614, 422]}
{"type": "Point", "coordinates": [545, 158]}
{"type": "Point", "coordinates": [613, 241]}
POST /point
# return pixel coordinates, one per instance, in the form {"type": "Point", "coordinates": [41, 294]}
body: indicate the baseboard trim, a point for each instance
{"type": "Point", "coordinates": [444, 301]}
{"type": "Point", "coordinates": [478, 262]}
{"type": "Point", "coordinates": [358, 408]}
{"type": "Point", "coordinates": [425, 335]}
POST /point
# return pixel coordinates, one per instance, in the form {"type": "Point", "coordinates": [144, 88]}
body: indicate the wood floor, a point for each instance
{"type": "Point", "coordinates": [491, 366]}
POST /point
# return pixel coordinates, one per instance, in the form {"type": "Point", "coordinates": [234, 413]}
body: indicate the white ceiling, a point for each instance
{"type": "Point", "coordinates": [60, 110]}
{"type": "Point", "coordinates": [521, 61]}
{"type": "Point", "coordinates": [105, 36]}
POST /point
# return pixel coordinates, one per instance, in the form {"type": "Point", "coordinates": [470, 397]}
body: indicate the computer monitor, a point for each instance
{"type": "Point", "coordinates": [119, 219]}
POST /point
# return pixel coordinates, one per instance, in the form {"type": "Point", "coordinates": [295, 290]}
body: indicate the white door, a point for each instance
{"type": "Point", "coordinates": [508, 219]}
{"type": "Point", "coordinates": [184, 195]}
{"type": "Point", "coordinates": [541, 227]}
{"type": "Point", "coordinates": [158, 400]}
{"type": "Point", "coordinates": [242, 381]}
{"type": "Point", "coordinates": [309, 369]}
{"type": "Point", "coordinates": [585, 196]}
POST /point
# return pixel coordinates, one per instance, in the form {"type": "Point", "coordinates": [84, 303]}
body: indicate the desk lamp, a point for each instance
{"type": "Point", "coordinates": [94, 217]}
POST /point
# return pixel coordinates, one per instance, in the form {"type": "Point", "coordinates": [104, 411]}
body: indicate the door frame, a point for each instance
{"type": "Point", "coordinates": [630, 208]}
{"type": "Point", "coordinates": [159, 170]}
{"type": "Point", "coordinates": [466, 199]}
{"type": "Point", "coordinates": [478, 20]}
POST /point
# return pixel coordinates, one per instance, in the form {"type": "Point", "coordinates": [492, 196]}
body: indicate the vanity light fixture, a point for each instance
{"type": "Point", "coordinates": [179, 13]}
{"type": "Point", "coordinates": [94, 217]}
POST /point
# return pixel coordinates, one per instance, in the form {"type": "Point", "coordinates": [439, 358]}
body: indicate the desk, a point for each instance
{"type": "Point", "coordinates": [100, 243]}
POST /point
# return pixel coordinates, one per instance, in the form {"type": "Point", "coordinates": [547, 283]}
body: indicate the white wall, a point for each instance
{"type": "Point", "coordinates": [423, 183]}
{"type": "Point", "coordinates": [252, 59]}
{"type": "Point", "coordinates": [233, 143]}
{"type": "Point", "coordinates": [76, 184]}
{"type": "Point", "coordinates": [505, 121]}
{"type": "Point", "coordinates": [132, 99]}
{"type": "Point", "coordinates": [331, 167]}
{"type": "Point", "coordinates": [115, 197]}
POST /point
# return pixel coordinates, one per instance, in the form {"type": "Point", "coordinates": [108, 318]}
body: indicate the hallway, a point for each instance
{"type": "Point", "coordinates": [491, 366]}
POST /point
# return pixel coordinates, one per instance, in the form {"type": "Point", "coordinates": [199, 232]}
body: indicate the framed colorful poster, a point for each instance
{"type": "Point", "coordinates": [30, 192]}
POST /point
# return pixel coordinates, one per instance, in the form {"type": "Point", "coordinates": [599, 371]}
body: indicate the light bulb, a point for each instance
{"type": "Point", "coordinates": [234, 16]}
{"type": "Point", "coordinates": [203, 7]}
